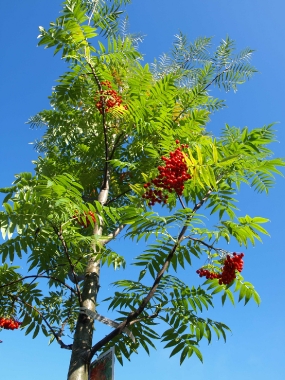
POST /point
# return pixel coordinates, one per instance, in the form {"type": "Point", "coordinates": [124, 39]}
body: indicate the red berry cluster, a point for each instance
{"type": "Point", "coordinates": [206, 273]}
{"type": "Point", "coordinates": [228, 274]}
{"type": "Point", "coordinates": [109, 98]}
{"type": "Point", "coordinates": [171, 177]}
{"type": "Point", "coordinates": [85, 223]}
{"type": "Point", "coordinates": [9, 324]}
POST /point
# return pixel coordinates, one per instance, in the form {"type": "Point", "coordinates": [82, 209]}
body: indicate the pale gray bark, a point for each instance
{"type": "Point", "coordinates": [82, 343]}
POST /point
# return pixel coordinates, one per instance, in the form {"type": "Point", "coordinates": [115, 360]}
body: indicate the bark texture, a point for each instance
{"type": "Point", "coordinates": [82, 343]}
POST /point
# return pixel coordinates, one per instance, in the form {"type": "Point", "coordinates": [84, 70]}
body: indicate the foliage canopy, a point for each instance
{"type": "Point", "coordinates": [88, 188]}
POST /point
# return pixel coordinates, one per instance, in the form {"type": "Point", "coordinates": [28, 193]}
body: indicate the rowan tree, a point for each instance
{"type": "Point", "coordinates": [126, 152]}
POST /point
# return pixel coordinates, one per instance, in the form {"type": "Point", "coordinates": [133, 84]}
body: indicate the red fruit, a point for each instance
{"type": "Point", "coordinates": [171, 177]}
{"type": "Point", "coordinates": [108, 99]}
{"type": "Point", "coordinates": [85, 223]}
{"type": "Point", "coordinates": [9, 324]}
{"type": "Point", "coordinates": [228, 274]}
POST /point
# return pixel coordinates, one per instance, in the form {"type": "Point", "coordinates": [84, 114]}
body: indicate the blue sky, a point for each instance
{"type": "Point", "coordinates": [255, 349]}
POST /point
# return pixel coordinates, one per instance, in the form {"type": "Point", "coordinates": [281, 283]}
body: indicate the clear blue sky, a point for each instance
{"type": "Point", "coordinates": [256, 348]}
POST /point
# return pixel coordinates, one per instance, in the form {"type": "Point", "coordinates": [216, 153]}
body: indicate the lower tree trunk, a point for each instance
{"type": "Point", "coordinates": [82, 343]}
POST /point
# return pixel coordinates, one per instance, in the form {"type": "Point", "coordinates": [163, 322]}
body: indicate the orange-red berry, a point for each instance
{"type": "Point", "coordinates": [231, 264]}
{"type": "Point", "coordinates": [171, 177]}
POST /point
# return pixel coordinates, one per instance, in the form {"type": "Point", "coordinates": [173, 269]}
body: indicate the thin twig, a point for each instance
{"type": "Point", "coordinates": [204, 89]}
{"type": "Point", "coordinates": [181, 202]}
{"type": "Point", "coordinates": [92, 12]}
{"type": "Point", "coordinates": [57, 337]}
{"type": "Point", "coordinates": [116, 144]}
{"type": "Point", "coordinates": [66, 319]}
{"type": "Point", "coordinates": [216, 77]}
{"type": "Point", "coordinates": [65, 248]}
{"type": "Point", "coordinates": [106, 168]}
{"type": "Point", "coordinates": [39, 276]}
{"type": "Point", "coordinates": [209, 246]}
{"type": "Point", "coordinates": [118, 196]}
{"type": "Point", "coordinates": [152, 316]}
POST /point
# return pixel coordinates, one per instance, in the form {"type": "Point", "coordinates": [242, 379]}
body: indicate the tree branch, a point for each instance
{"type": "Point", "coordinates": [92, 12]}
{"type": "Point", "coordinates": [217, 76]}
{"type": "Point", "coordinates": [105, 180]}
{"type": "Point", "coordinates": [181, 201]}
{"type": "Point", "coordinates": [39, 276]}
{"type": "Point", "coordinates": [116, 144]}
{"type": "Point", "coordinates": [66, 319]}
{"type": "Point", "coordinates": [57, 336]}
{"type": "Point", "coordinates": [65, 248]}
{"type": "Point", "coordinates": [134, 314]}
{"type": "Point", "coordinates": [113, 235]}
{"type": "Point", "coordinates": [118, 196]}
{"type": "Point", "coordinates": [152, 316]}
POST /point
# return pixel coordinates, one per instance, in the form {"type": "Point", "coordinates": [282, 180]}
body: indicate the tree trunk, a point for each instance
{"type": "Point", "coordinates": [82, 343]}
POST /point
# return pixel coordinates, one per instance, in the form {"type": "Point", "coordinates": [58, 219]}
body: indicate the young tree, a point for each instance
{"type": "Point", "coordinates": [121, 140]}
